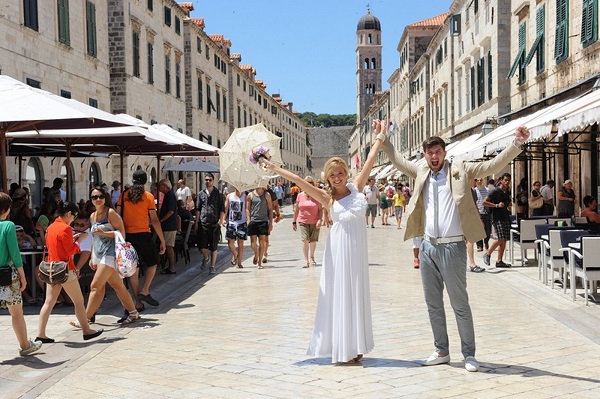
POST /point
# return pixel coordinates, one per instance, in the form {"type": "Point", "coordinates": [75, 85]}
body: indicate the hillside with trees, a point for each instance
{"type": "Point", "coordinates": [310, 119]}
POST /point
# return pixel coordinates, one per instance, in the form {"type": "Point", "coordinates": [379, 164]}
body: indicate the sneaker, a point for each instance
{"type": "Point", "coordinates": [486, 259]}
{"type": "Point", "coordinates": [471, 364]}
{"type": "Point", "coordinates": [502, 264]}
{"type": "Point", "coordinates": [435, 359]}
{"type": "Point", "coordinates": [33, 346]}
{"type": "Point", "coordinates": [211, 270]}
{"type": "Point", "coordinates": [372, 226]}
{"type": "Point", "coordinates": [477, 269]}
{"type": "Point", "coordinates": [416, 263]}
{"type": "Point", "coordinates": [204, 262]}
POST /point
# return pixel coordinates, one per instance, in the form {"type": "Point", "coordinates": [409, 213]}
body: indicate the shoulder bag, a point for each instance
{"type": "Point", "coordinates": [536, 203]}
{"type": "Point", "coordinates": [126, 258]}
{"type": "Point", "coordinates": [55, 272]}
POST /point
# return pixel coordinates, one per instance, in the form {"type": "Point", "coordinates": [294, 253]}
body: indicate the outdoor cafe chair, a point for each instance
{"type": "Point", "coordinates": [524, 237]}
{"type": "Point", "coordinates": [553, 257]}
{"type": "Point", "coordinates": [541, 230]}
{"type": "Point", "coordinates": [585, 264]}
{"type": "Point", "coordinates": [567, 237]}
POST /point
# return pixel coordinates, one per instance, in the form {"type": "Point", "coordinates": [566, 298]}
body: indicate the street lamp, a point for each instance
{"type": "Point", "coordinates": [487, 127]}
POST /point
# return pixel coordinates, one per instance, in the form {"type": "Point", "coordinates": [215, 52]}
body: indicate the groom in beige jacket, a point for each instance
{"type": "Point", "coordinates": [443, 212]}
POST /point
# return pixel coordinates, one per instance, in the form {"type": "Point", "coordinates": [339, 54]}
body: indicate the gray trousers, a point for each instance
{"type": "Point", "coordinates": [446, 264]}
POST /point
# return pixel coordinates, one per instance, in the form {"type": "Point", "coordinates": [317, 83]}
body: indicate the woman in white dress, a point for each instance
{"type": "Point", "coordinates": [343, 328]}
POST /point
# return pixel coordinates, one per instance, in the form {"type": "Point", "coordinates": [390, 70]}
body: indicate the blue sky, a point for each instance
{"type": "Point", "coordinates": [305, 50]}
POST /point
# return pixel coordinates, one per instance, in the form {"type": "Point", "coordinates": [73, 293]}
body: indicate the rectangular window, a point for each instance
{"type": "Point", "coordinates": [64, 35]}
{"type": "Point", "coordinates": [224, 108]}
{"type": "Point", "coordinates": [561, 44]}
{"type": "Point", "coordinates": [454, 28]}
{"type": "Point", "coordinates": [90, 24]}
{"type": "Point", "coordinates": [209, 105]}
{"type": "Point", "coordinates": [178, 79]}
{"type": "Point", "coordinates": [92, 102]}
{"type": "Point", "coordinates": [167, 16]}
{"type": "Point", "coordinates": [150, 5]}
{"type": "Point", "coordinates": [167, 74]}
{"type": "Point", "coordinates": [490, 74]}
{"type": "Point", "coordinates": [150, 63]}
{"type": "Point", "coordinates": [481, 82]}
{"type": "Point", "coordinates": [199, 45]}
{"type": "Point", "coordinates": [238, 80]}
{"type": "Point", "coordinates": [200, 98]}
{"type": "Point", "coordinates": [207, 51]}
{"type": "Point", "coordinates": [177, 25]}
{"type": "Point", "coordinates": [519, 62]}
{"type": "Point", "coordinates": [472, 88]}
{"type": "Point", "coordinates": [218, 100]}
{"type": "Point", "coordinates": [239, 116]}
{"type": "Point", "coordinates": [65, 93]}
{"type": "Point", "coordinates": [245, 119]}
{"type": "Point", "coordinates": [30, 11]}
{"type": "Point", "coordinates": [136, 54]}
{"type": "Point", "coordinates": [33, 83]}
{"type": "Point", "coordinates": [589, 22]}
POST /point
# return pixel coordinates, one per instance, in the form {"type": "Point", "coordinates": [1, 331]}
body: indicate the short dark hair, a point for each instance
{"type": "Point", "coordinates": [588, 199]}
{"type": "Point", "coordinates": [68, 207]}
{"type": "Point", "coordinates": [505, 175]}
{"type": "Point", "coordinates": [209, 174]}
{"type": "Point", "coordinates": [433, 141]}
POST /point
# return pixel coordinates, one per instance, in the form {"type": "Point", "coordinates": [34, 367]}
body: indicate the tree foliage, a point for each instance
{"type": "Point", "coordinates": [310, 119]}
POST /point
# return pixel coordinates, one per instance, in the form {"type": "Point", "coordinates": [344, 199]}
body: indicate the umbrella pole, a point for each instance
{"type": "Point", "coordinates": [121, 170]}
{"type": "Point", "coordinates": [157, 180]}
{"type": "Point", "coordinates": [3, 156]}
{"type": "Point", "coordinates": [69, 177]}
{"type": "Point", "coordinates": [20, 169]}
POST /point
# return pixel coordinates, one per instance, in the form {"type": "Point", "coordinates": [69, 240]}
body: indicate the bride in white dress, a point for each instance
{"type": "Point", "coordinates": [343, 328]}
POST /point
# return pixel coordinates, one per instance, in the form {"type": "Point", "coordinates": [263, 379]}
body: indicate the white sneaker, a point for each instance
{"type": "Point", "coordinates": [471, 364]}
{"type": "Point", "coordinates": [33, 346]}
{"type": "Point", "coordinates": [435, 358]}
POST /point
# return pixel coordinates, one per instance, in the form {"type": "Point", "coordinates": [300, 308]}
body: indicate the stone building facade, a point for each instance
{"type": "Point", "coordinates": [149, 59]}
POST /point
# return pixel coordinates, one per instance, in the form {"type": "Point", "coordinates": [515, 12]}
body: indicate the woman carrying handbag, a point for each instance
{"type": "Point", "coordinates": [62, 245]}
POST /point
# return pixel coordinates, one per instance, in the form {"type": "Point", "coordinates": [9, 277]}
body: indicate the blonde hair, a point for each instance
{"type": "Point", "coordinates": [310, 180]}
{"type": "Point", "coordinates": [330, 165]}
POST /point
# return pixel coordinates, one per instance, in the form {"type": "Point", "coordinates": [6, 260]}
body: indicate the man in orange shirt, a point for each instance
{"type": "Point", "coordinates": [136, 206]}
{"type": "Point", "coordinates": [294, 191]}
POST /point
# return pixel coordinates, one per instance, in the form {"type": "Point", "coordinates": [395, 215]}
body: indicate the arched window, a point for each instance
{"type": "Point", "coordinates": [34, 177]}
{"type": "Point", "coordinates": [366, 65]}
{"type": "Point", "coordinates": [72, 194]}
{"type": "Point", "coordinates": [373, 63]}
{"type": "Point", "coordinates": [369, 39]}
{"type": "Point", "coordinates": [94, 177]}
{"type": "Point", "coordinates": [153, 175]}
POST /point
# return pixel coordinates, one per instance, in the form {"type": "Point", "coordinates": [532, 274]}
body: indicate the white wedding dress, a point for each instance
{"type": "Point", "coordinates": [343, 327]}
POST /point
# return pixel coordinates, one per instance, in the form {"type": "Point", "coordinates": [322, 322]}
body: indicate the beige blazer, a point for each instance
{"type": "Point", "coordinates": [459, 178]}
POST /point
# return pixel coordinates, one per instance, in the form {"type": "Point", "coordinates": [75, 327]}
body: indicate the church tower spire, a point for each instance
{"type": "Point", "coordinates": [368, 62]}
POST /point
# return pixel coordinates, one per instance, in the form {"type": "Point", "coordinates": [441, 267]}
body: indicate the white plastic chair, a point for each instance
{"type": "Point", "coordinates": [589, 270]}
{"type": "Point", "coordinates": [526, 238]}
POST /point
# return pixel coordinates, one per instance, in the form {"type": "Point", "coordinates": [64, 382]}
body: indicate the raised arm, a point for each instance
{"type": "Point", "coordinates": [316, 193]}
{"type": "Point", "coordinates": [361, 179]}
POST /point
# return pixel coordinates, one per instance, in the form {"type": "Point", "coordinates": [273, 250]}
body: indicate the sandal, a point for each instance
{"type": "Point", "coordinates": [305, 264]}
{"type": "Point", "coordinates": [133, 316]}
{"type": "Point", "coordinates": [233, 260]}
{"type": "Point", "coordinates": [255, 260]}
{"type": "Point", "coordinates": [312, 262]}
{"type": "Point", "coordinates": [240, 266]}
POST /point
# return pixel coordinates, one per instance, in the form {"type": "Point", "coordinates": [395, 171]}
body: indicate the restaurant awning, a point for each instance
{"type": "Point", "coordinates": [384, 172]}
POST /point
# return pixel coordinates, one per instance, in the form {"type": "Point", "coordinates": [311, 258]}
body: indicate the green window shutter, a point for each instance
{"type": "Point", "coordinates": [519, 60]}
{"type": "Point", "coordinates": [540, 27]}
{"type": "Point", "coordinates": [589, 22]}
{"type": "Point", "coordinates": [63, 22]}
{"type": "Point", "coordinates": [92, 48]}
{"type": "Point", "coordinates": [30, 10]}
{"type": "Point", "coordinates": [561, 44]}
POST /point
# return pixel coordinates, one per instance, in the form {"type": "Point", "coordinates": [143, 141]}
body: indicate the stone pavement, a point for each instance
{"type": "Point", "coordinates": [243, 333]}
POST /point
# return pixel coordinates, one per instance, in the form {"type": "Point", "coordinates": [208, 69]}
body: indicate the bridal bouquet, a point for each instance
{"type": "Point", "coordinates": [259, 153]}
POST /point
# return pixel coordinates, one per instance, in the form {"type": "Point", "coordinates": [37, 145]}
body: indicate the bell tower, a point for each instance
{"type": "Point", "coordinates": [368, 62]}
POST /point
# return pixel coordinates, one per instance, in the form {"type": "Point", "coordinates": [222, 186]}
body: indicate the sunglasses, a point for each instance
{"type": "Point", "coordinates": [79, 224]}
{"type": "Point", "coordinates": [97, 197]}
{"type": "Point", "coordinates": [208, 179]}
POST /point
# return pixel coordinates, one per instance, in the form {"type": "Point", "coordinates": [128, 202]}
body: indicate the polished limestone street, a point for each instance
{"type": "Point", "coordinates": [243, 333]}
